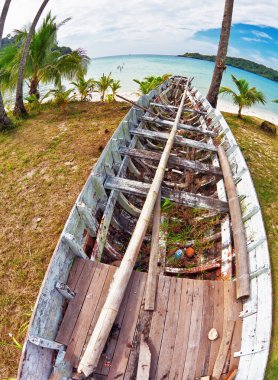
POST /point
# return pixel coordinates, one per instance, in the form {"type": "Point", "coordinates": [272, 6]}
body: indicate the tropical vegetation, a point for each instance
{"type": "Point", "coordinates": [246, 95]}
{"type": "Point", "coordinates": [240, 63]}
{"type": "Point", "coordinates": [151, 82]}
{"type": "Point", "coordinates": [45, 63]}
{"type": "Point", "coordinates": [19, 108]}
{"type": "Point", "coordinates": [103, 84]}
{"type": "Point", "coordinates": [84, 87]}
{"type": "Point", "coordinates": [5, 122]}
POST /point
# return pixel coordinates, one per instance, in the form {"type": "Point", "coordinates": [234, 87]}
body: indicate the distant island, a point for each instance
{"type": "Point", "coordinates": [240, 63]}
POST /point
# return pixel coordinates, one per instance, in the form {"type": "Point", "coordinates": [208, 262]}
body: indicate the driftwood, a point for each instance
{"type": "Point", "coordinates": [242, 270]}
{"type": "Point", "coordinates": [90, 359]}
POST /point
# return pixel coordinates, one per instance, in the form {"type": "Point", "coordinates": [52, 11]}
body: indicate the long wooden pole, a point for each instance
{"type": "Point", "coordinates": [151, 283]}
{"type": "Point", "coordinates": [242, 267]}
{"type": "Point", "coordinates": [112, 304]}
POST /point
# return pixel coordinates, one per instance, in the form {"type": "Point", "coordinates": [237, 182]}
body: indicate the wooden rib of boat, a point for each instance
{"type": "Point", "coordinates": [198, 302]}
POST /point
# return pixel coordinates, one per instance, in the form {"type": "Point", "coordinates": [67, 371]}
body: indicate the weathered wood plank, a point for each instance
{"type": "Point", "coordinates": [107, 356]}
{"type": "Point", "coordinates": [140, 188]}
{"type": "Point", "coordinates": [195, 331]}
{"type": "Point", "coordinates": [161, 136]}
{"type": "Point", "coordinates": [223, 350]}
{"type": "Point", "coordinates": [86, 315]}
{"type": "Point", "coordinates": [109, 209]}
{"type": "Point", "coordinates": [151, 285]}
{"type": "Point", "coordinates": [217, 322]}
{"type": "Point", "coordinates": [207, 324]}
{"type": "Point", "coordinates": [124, 344]}
{"type": "Point", "coordinates": [185, 109]}
{"type": "Point", "coordinates": [185, 127]}
{"type": "Point", "coordinates": [74, 305]}
{"type": "Point", "coordinates": [173, 161]}
{"type": "Point", "coordinates": [170, 329]}
{"type": "Point", "coordinates": [183, 329]}
{"type": "Point", "coordinates": [158, 321]}
{"type": "Point", "coordinates": [195, 270]}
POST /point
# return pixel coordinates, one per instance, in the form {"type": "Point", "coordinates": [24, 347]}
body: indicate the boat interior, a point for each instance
{"type": "Point", "coordinates": [193, 328]}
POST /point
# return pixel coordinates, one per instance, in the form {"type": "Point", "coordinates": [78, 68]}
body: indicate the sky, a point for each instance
{"type": "Point", "coordinates": [106, 27]}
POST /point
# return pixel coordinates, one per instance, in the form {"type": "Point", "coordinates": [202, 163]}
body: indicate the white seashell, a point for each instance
{"type": "Point", "coordinates": [213, 334]}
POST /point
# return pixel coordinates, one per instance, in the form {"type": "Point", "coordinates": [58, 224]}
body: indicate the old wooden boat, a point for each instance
{"type": "Point", "coordinates": [196, 301]}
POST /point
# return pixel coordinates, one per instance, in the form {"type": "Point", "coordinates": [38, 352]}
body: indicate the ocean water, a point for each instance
{"type": "Point", "coordinates": [129, 67]}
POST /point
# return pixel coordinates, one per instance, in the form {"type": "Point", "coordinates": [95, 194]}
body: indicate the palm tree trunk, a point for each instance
{"type": "Point", "coordinates": [239, 112]}
{"type": "Point", "coordinates": [19, 109]}
{"type": "Point", "coordinates": [5, 122]}
{"type": "Point", "coordinates": [219, 67]}
{"type": "Point", "coordinates": [33, 90]}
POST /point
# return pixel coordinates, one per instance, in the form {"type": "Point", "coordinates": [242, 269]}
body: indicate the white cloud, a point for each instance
{"type": "Point", "coordinates": [108, 27]}
{"type": "Point", "coordinates": [251, 39]}
{"type": "Point", "coordinates": [257, 33]}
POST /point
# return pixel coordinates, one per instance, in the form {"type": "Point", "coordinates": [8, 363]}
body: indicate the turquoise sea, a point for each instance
{"type": "Point", "coordinates": [128, 67]}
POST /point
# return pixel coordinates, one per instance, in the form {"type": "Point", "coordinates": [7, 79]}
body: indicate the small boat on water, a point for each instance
{"type": "Point", "coordinates": [196, 299]}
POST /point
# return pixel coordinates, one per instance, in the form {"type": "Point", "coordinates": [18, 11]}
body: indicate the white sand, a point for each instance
{"type": "Point", "coordinates": [262, 114]}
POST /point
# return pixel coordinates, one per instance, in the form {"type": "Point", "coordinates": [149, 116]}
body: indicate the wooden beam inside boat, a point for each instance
{"type": "Point", "coordinates": [185, 109]}
{"type": "Point", "coordinates": [112, 304]}
{"type": "Point", "coordinates": [186, 127]}
{"type": "Point", "coordinates": [188, 199]}
{"type": "Point", "coordinates": [162, 136]}
{"type": "Point", "coordinates": [242, 265]}
{"type": "Point", "coordinates": [173, 161]}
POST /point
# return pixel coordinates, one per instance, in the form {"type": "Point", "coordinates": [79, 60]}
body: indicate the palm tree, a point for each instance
{"type": "Point", "coordinates": [115, 86]}
{"type": "Point", "coordinates": [5, 122]}
{"type": "Point", "coordinates": [151, 82]}
{"type": "Point", "coordinates": [219, 67]}
{"type": "Point", "coordinates": [44, 62]}
{"type": "Point", "coordinates": [61, 96]}
{"type": "Point", "coordinates": [246, 97]}
{"type": "Point", "coordinates": [275, 101]}
{"type": "Point", "coordinates": [19, 108]}
{"type": "Point", "coordinates": [103, 84]}
{"type": "Point", "coordinates": [84, 87]}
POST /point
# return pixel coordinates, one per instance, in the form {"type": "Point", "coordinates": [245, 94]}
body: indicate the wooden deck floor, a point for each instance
{"type": "Point", "coordinates": [178, 329]}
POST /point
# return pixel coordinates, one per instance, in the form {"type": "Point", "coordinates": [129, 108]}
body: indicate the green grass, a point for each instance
{"type": "Point", "coordinates": [43, 166]}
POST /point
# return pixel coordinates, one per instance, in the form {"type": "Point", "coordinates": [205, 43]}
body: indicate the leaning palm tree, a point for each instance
{"type": "Point", "coordinates": [45, 63]}
{"type": "Point", "coordinates": [19, 109]}
{"type": "Point", "coordinates": [103, 84]}
{"type": "Point", "coordinates": [5, 122]}
{"type": "Point", "coordinates": [219, 67]}
{"type": "Point", "coordinates": [246, 96]}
